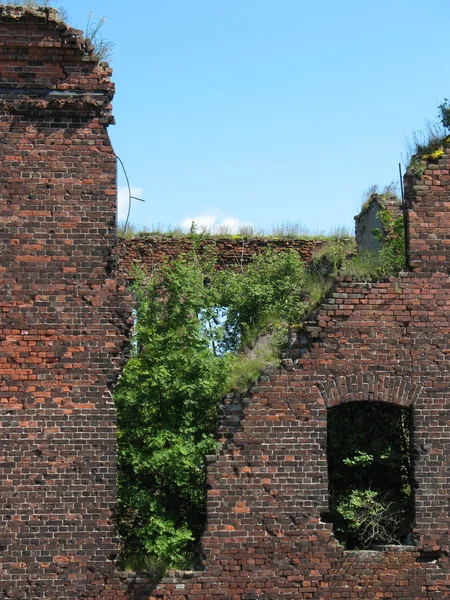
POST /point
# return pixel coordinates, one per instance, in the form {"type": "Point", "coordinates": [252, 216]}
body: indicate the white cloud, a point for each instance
{"type": "Point", "coordinates": [123, 201]}
{"type": "Point", "coordinates": [202, 222]}
{"type": "Point", "coordinates": [211, 224]}
{"type": "Point", "coordinates": [232, 224]}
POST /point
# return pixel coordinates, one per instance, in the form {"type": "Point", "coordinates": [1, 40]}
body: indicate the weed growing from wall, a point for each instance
{"type": "Point", "coordinates": [429, 146]}
{"type": "Point", "coordinates": [388, 191]}
{"type": "Point", "coordinates": [93, 34]}
{"type": "Point", "coordinates": [62, 12]}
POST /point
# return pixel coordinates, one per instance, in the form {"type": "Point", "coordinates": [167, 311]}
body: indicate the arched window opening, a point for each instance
{"type": "Point", "coordinates": [370, 474]}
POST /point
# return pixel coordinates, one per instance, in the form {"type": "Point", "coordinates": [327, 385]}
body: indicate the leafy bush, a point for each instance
{"type": "Point", "coordinates": [167, 400]}
{"type": "Point", "coordinates": [368, 519]}
{"type": "Point", "coordinates": [192, 325]}
{"type": "Point", "coordinates": [268, 291]}
{"type": "Point", "coordinates": [199, 333]}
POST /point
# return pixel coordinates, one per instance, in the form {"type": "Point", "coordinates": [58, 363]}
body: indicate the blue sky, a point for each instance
{"type": "Point", "coordinates": [262, 112]}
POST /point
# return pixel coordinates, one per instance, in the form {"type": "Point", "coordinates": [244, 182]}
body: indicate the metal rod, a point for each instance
{"type": "Point", "coordinates": [401, 181]}
{"type": "Point", "coordinates": [405, 217]}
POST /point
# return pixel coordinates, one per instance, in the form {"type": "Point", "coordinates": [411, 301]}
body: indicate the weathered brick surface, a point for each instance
{"type": "Point", "coordinates": [63, 318]}
{"type": "Point", "coordinates": [63, 333]}
{"type": "Point", "coordinates": [149, 252]}
{"type": "Point", "coordinates": [429, 217]}
{"type": "Point", "coordinates": [265, 539]}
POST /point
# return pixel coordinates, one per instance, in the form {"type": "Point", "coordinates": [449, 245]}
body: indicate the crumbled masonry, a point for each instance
{"type": "Point", "coordinates": [64, 338]}
{"type": "Point", "coordinates": [149, 252]}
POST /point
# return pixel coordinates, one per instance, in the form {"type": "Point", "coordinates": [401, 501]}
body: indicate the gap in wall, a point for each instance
{"type": "Point", "coordinates": [370, 474]}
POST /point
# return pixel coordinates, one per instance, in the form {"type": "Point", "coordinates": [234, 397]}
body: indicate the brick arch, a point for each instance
{"type": "Point", "coordinates": [372, 387]}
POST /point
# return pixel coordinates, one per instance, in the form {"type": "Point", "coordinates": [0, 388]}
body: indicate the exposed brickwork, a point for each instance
{"type": "Point", "coordinates": [429, 217]}
{"type": "Point", "coordinates": [63, 318]}
{"type": "Point", "coordinates": [151, 251]}
{"type": "Point", "coordinates": [386, 342]}
{"type": "Point", "coordinates": [63, 335]}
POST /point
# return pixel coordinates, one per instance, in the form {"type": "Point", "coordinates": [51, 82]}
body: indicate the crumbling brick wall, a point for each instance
{"type": "Point", "coordinates": [429, 218]}
{"type": "Point", "coordinates": [63, 340]}
{"type": "Point", "coordinates": [63, 323]}
{"type": "Point", "coordinates": [389, 341]}
{"type": "Point", "coordinates": [150, 251]}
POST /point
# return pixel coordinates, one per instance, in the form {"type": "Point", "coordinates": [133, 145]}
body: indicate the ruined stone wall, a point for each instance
{"type": "Point", "coordinates": [63, 319]}
{"type": "Point", "coordinates": [370, 218]}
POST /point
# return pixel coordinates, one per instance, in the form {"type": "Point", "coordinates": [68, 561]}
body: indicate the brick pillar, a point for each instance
{"type": "Point", "coordinates": [63, 327]}
{"type": "Point", "coordinates": [428, 199]}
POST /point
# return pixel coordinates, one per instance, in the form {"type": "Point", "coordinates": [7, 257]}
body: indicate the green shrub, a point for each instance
{"type": "Point", "coordinates": [370, 473]}
{"type": "Point", "coordinates": [267, 291]}
{"type": "Point", "coordinates": [367, 519]}
{"type": "Point", "coordinates": [197, 335]}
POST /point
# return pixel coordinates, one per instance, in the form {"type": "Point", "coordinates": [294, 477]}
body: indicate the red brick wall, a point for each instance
{"type": "Point", "coordinates": [63, 339]}
{"type": "Point", "coordinates": [62, 317]}
{"type": "Point", "coordinates": [265, 537]}
{"type": "Point", "coordinates": [151, 251]}
{"type": "Point", "coordinates": [429, 217]}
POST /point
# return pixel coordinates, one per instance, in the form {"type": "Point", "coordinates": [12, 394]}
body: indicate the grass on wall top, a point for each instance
{"type": "Point", "coordinates": [285, 230]}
